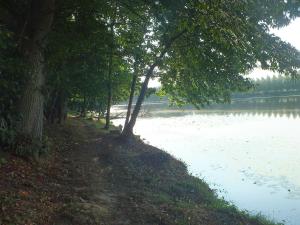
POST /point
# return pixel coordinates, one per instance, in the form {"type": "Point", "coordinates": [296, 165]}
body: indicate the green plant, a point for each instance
{"type": "Point", "coordinates": [7, 133]}
{"type": "Point", "coordinates": [2, 161]}
{"type": "Point", "coordinates": [26, 146]}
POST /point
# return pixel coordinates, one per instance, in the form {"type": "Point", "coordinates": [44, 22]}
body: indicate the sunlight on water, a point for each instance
{"type": "Point", "coordinates": [252, 160]}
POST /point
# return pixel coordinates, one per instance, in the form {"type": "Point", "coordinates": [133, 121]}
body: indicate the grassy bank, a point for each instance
{"type": "Point", "coordinates": [91, 177]}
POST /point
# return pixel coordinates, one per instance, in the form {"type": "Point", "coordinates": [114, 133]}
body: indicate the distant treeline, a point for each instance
{"type": "Point", "coordinates": [272, 86]}
{"type": "Point", "coordinates": [263, 87]}
{"type": "Point", "coordinates": [267, 93]}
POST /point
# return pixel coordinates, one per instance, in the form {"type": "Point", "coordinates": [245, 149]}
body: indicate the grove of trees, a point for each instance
{"type": "Point", "coordinates": [89, 55]}
{"type": "Point", "coordinates": [283, 86]}
{"type": "Point", "coordinates": [277, 84]}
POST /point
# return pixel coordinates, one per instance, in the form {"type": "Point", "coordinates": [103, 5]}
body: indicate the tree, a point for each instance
{"type": "Point", "coordinates": [91, 51]}
{"type": "Point", "coordinates": [30, 22]}
{"type": "Point", "coordinates": [203, 48]}
{"type": "Point", "coordinates": [127, 24]}
{"type": "Point", "coordinates": [132, 90]}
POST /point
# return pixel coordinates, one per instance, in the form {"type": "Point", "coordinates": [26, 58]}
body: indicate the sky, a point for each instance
{"type": "Point", "coordinates": [290, 33]}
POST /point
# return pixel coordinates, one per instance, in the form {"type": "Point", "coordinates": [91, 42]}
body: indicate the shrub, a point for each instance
{"type": "Point", "coordinates": [26, 146]}
{"type": "Point", "coordinates": [20, 144]}
{"type": "Point", "coordinates": [7, 133]}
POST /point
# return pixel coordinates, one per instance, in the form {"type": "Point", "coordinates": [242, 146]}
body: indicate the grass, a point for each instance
{"type": "Point", "coordinates": [157, 182]}
{"type": "Point", "coordinates": [99, 125]}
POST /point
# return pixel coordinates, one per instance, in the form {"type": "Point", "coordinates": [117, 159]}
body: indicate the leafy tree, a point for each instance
{"type": "Point", "coordinates": [95, 53]}
{"type": "Point", "coordinates": [203, 48]}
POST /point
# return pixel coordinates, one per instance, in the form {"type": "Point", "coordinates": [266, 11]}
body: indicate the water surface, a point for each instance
{"type": "Point", "coordinates": [251, 158]}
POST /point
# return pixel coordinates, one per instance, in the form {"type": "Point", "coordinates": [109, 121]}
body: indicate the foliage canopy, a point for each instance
{"type": "Point", "coordinates": [87, 55]}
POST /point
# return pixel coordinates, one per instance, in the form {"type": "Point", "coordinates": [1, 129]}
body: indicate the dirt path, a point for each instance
{"type": "Point", "coordinates": [65, 188]}
{"type": "Point", "coordinates": [91, 201]}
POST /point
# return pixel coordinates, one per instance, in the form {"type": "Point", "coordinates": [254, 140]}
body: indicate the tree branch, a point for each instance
{"type": "Point", "coordinates": [168, 45]}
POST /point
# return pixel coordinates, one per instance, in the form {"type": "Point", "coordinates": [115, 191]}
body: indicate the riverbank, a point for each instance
{"type": "Point", "coordinates": [90, 177]}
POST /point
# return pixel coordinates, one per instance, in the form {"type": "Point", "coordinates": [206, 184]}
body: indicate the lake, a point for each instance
{"type": "Point", "coordinates": [251, 158]}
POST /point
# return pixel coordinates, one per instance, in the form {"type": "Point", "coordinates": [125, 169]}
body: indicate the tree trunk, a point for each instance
{"type": "Point", "coordinates": [128, 129]}
{"type": "Point", "coordinates": [50, 110]}
{"type": "Point", "coordinates": [32, 104]}
{"type": "Point", "coordinates": [109, 95]}
{"type": "Point", "coordinates": [62, 107]}
{"type": "Point", "coordinates": [83, 107]}
{"type": "Point", "coordinates": [37, 27]}
{"type": "Point", "coordinates": [107, 118]}
{"type": "Point", "coordinates": [132, 88]}
{"type": "Point", "coordinates": [99, 111]}
{"type": "Point", "coordinates": [109, 85]}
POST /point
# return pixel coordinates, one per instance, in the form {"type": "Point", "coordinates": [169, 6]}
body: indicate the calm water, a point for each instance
{"type": "Point", "coordinates": [251, 158]}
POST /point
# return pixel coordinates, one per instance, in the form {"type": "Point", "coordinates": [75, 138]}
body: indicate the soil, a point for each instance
{"type": "Point", "coordinates": [91, 177]}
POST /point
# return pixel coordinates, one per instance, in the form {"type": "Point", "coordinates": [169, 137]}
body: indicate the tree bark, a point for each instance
{"type": "Point", "coordinates": [31, 106]}
{"type": "Point", "coordinates": [132, 88]}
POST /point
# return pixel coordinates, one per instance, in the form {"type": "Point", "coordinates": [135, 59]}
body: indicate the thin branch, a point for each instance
{"type": "Point", "coordinates": [169, 44]}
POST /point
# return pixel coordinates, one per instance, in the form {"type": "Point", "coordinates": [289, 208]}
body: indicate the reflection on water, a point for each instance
{"type": "Point", "coordinates": [268, 106]}
{"type": "Point", "coordinates": [269, 113]}
{"type": "Point", "coordinates": [250, 157]}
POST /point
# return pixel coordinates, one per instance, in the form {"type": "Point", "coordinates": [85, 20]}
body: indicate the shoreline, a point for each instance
{"type": "Point", "coordinates": [93, 178]}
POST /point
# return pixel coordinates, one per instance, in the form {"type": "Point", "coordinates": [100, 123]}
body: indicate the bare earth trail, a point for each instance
{"type": "Point", "coordinates": [92, 178]}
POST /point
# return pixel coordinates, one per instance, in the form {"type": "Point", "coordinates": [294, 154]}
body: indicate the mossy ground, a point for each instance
{"type": "Point", "coordinates": [92, 177]}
